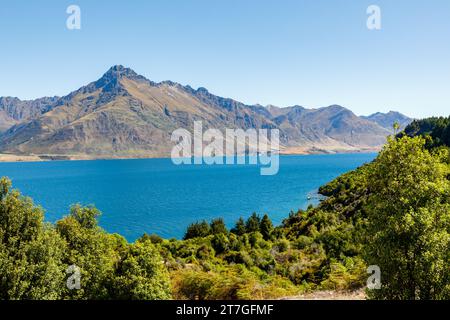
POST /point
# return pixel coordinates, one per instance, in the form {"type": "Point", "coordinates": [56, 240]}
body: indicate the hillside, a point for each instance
{"type": "Point", "coordinates": [387, 120]}
{"type": "Point", "coordinates": [435, 129]}
{"type": "Point", "coordinates": [125, 115]}
{"type": "Point", "coordinates": [14, 110]}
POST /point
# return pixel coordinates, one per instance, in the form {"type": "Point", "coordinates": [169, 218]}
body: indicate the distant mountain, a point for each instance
{"type": "Point", "coordinates": [124, 114]}
{"type": "Point", "coordinates": [14, 110]}
{"type": "Point", "coordinates": [387, 120]}
{"type": "Point", "coordinates": [330, 126]}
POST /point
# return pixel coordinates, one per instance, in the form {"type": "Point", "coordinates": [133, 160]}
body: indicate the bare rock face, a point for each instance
{"type": "Point", "coordinates": [123, 114]}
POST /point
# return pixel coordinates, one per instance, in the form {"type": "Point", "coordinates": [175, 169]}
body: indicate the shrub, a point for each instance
{"type": "Point", "coordinates": [197, 230]}
{"type": "Point", "coordinates": [220, 243]}
{"type": "Point", "coordinates": [218, 226]}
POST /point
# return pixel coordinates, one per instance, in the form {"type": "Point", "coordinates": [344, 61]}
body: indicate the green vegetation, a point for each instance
{"type": "Point", "coordinates": [393, 213]}
{"type": "Point", "coordinates": [34, 256]}
{"type": "Point", "coordinates": [409, 221]}
{"type": "Point", "coordinates": [436, 130]}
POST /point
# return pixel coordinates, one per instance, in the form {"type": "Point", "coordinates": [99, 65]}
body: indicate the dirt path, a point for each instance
{"type": "Point", "coordinates": [330, 295]}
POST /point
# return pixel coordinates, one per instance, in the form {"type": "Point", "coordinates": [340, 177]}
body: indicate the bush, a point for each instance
{"type": "Point", "coordinates": [153, 238]}
{"type": "Point", "coordinates": [220, 243]}
{"type": "Point", "coordinates": [197, 230]}
{"type": "Point", "coordinates": [239, 257]}
{"type": "Point", "coordinates": [303, 242]}
{"type": "Point", "coordinates": [218, 226]}
{"type": "Point", "coordinates": [141, 275]}
{"type": "Point", "coordinates": [282, 245]}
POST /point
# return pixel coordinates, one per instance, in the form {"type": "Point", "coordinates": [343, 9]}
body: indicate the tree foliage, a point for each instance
{"type": "Point", "coordinates": [197, 229]}
{"type": "Point", "coordinates": [31, 252]}
{"type": "Point", "coordinates": [409, 221]}
{"type": "Point", "coordinates": [34, 256]}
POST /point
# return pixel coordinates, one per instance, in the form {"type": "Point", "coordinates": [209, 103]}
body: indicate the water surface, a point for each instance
{"type": "Point", "coordinates": [156, 196]}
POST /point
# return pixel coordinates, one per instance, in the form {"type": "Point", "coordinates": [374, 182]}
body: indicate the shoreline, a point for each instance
{"type": "Point", "coordinates": [12, 158]}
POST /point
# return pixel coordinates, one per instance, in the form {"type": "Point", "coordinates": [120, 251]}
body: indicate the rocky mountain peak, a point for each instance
{"type": "Point", "coordinates": [119, 71]}
{"type": "Point", "coordinates": [111, 80]}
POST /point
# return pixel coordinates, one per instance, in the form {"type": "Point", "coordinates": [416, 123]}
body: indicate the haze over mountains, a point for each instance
{"type": "Point", "coordinates": [125, 115]}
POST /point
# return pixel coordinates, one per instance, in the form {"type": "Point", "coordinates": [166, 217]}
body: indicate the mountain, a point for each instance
{"type": "Point", "coordinates": [387, 120]}
{"type": "Point", "coordinates": [123, 114]}
{"type": "Point", "coordinates": [330, 127]}
{"type": "Point", "coordinates": [14, 110]}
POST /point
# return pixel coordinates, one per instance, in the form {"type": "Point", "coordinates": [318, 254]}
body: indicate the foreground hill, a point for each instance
{"type": "Point", "coordinates": [124, 114]}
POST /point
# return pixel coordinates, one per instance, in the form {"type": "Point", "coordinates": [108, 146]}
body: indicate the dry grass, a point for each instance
{"type": "Point", "coordinates": [330, 295]}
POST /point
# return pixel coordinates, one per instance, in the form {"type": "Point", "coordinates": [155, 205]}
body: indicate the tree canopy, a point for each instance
{"type": "Point", "coordinates": [409, 221]}
{"type": "Point", "coordinates": [35, 256]}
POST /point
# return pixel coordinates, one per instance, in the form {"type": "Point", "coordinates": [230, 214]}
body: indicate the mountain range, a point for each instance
{"type": "Point", "coordinates": [386, 120]}
{"type": "Point", "coordinates": [125, 115]}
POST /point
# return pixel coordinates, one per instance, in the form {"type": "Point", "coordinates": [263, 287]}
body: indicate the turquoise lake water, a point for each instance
{"type": "Point", "coordinates": [155, 196]}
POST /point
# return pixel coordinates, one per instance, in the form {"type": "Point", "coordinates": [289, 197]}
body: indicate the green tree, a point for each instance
{"type": "Point", "coordinates": [218, 226]}
{"type": "Point", "coordinates": [266, 227]}
{"type": "Point", "coordinates": [30, 251]}
{"type": "Point", "coordinates": [95, 252]}
{"type": "Point", "coordinates": [86, 216]}
{"type": "Point", "coordinates": [253, 222]}
{"type": "Point", "coordinates": [396, 127]}
{"type": "Point", "coordinates": [141, 274]}
{"type": "Point", "coordinates": [239, 228]}
{"type": "Point", "coordinates": [408, 228]}
{"type": "Point", "coordinates": [197, 229]}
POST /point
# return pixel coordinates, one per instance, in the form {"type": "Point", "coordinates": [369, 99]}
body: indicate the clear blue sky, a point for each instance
{"type": "Point", "coordinates": [312, 52]}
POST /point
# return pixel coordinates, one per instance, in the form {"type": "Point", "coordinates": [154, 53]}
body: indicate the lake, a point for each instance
{"type": "Point", "coordinates": [155, 196]}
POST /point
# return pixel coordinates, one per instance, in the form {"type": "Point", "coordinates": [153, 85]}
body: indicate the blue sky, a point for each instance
{"type": "Point", "coordinates": [312, 52]}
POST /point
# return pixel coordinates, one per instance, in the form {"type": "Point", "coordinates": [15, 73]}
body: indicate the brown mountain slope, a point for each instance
{"type": "Point", "coordinates": [326, 124]}
{"type": "Point", "coordinates": [126, 115]}
{"type": "Point", "coordinates": [14, 110]}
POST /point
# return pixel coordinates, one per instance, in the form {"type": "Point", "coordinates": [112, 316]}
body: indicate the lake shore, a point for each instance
{"type": "Point", "coordinates": [57, 157]}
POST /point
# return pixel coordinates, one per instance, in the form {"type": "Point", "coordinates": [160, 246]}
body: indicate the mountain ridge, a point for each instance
{"type": "Point", "coordinates": [387, 120]}
{"type": "Point", "coordinates": [124, 114]}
